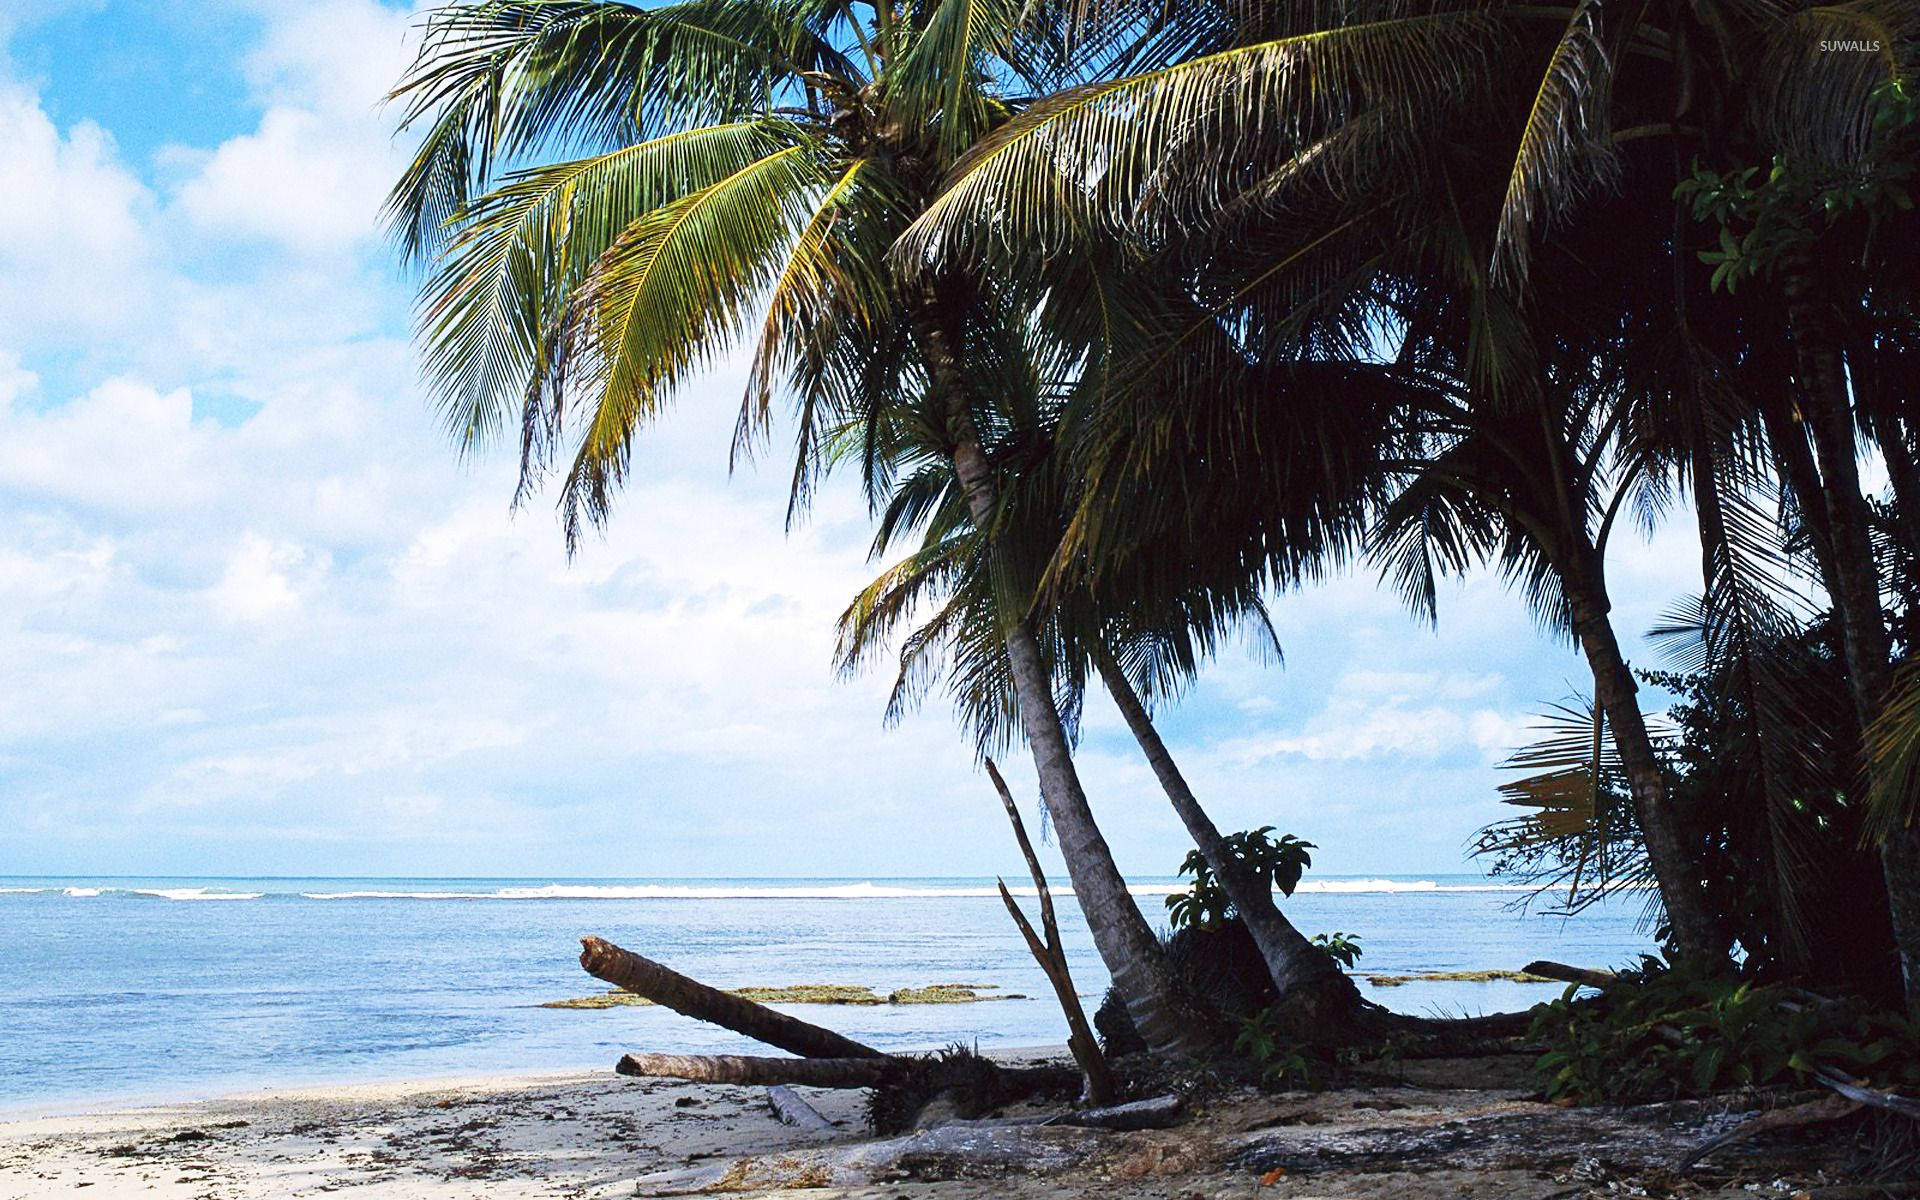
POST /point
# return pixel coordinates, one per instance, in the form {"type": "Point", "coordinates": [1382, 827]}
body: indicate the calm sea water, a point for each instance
{"type": "Point", "coordinates": [129, 990]}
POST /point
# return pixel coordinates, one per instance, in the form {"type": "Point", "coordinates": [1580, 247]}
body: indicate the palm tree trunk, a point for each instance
{"type": "Point", "coordinates": [1300, 970]}
{"type": "Point", "coordinates": [668, 988]}
{"type": "Point", "coordinates": [1674, 869]}
{"type": "Point", "coordinates": [1127, 945]}
{"type": "Point", "coordinates": [1822, 387]}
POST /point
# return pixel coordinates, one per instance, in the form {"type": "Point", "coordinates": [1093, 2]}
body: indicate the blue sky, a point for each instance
{"type": "Point", "coordinates": [256, 617]}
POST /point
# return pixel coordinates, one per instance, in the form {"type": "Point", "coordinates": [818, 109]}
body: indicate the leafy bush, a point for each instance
{"type": "Point", "coordinates": [1281, 1061]}
{"type": "Point", "coordinates": [1276, 862]}
{"type": "Point", "coordinates": [1343, 948]}
{"type": "Point", "coordinates": [1661, 1033]}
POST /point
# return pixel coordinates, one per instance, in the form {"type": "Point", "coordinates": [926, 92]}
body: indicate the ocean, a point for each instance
{"type": "Point", "coordinates": [119, 991]}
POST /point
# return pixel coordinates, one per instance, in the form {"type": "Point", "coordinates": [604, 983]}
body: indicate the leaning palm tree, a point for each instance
{"type": "Point", "coordinates": [608, 197]}
{"type": "Point", "coordinates": [1166, 599]}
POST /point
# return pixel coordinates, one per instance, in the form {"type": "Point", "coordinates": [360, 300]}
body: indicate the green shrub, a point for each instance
{"type": "Point", "coordinates": [1281, 1061]}
{"type": "Point", "coordinates": [1277, 862]}
{"type": "Point", "coordinates": [1660, 1033]}
{"type": "Point", "coordinates": [1343, 948]}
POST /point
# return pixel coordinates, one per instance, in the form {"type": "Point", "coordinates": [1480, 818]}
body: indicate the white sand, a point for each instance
{"type": "Point", "coordinates": [528, 1136]}
{"type": "Point", "coordinates": [592, 1135]}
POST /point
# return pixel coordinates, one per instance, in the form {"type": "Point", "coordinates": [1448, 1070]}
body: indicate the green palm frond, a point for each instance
{"type": "Point", "coordinates": [507, 80]}
{"type": "Point", "coordinates": [502, 283]}
{"type": "Point", "coordinates": [1010, 186]}
{"type": "Point", "coordinates": [941, 82]}
{"type": "Point", "coordinates": [1893, 754]}
{"type": "Point", "coordinates": [832, 298]}
{"type": "Point", "coordinates": [668, 296]}
{"type": "Point", "coordinates": [1565, 145]}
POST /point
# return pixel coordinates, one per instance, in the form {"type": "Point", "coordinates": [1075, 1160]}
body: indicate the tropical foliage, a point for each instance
{"type": "Point", "coordinates": [1278, 862]}
{"type": "Point", "coordinates": [1661, 1032]}
{"type": "Point", "coordinates": [1128, 317]}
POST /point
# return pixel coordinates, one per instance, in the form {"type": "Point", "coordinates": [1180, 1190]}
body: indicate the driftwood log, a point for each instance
{"type": "Point", "coordinates": [905, 1086]}
{"type": "Point", "coordinates": [792, 1110]}
{"type": "Point", "coordinates": [1160, 1112]}
{"type": "Point", "coordinates": [1861, 1094]}
{"type": "Point", "coordinates": [751, 1071]}
{"type": "Point", "coordinates": [1796, 1116]}
{"type": "Point", "coordinates": [748, 1070]}
{"type": "Point", "coordinates": [950, 1152]}
{"type": "Point", "coordinates": [1510, 1135]}
{"type": "Point", "coordinates": [1566, 974]}
{"type": "Point", "coordinates": [668, 988]}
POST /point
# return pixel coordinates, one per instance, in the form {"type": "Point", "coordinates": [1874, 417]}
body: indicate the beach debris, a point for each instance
{"type": "Point", "coordinates": [670, 989]}
{"type": "Point", "coordinates": [1854, 1090]}
{"type": "Point", "coordinates": [1562, 973]}
{"type": "Point", "coordinates": [1051, 954]}
{"type": "Point", "coordinates": [949, 1152]}
{"type": "Point", "coordinates": [1797, 1116]}
{"type": "Point", "coordinates": [1158, 1112]}
{"type": "Point", "coordinates": [1457, 977]}
{"type": "Point", "coordinates": [855, 994]}
{"type": "Point", "coordinates": [788, 1106]}
{"type": "Point", "coordinates": [904, 1085]}
{"type": "Point", "coordinates": [750, 1070]}
{"type": "Point", "coordinates": [1510, 1134]}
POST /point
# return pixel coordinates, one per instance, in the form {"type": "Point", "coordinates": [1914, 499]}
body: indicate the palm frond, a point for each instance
{"type": "Point", "coordinates": [1566, 144]}
{"type": "Point", "coordinates": [669, 295]}
{"type": "Point", "coordinates": [499, 288]}
{"type": "Point", "coordinates": [1013, 186]}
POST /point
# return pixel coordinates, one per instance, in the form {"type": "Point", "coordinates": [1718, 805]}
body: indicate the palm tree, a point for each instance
{"type": "Point", "coordinates": [607, 197]}
{"type": "Point", "coordinates": [1167, 598]}
{"type": "Point", "coordinates": [1304, 157]}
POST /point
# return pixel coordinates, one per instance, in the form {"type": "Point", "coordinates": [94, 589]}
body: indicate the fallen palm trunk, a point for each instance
{"type": "Point", "coordinates": [669, 988]}
{"type": "Point", "coordinates": [1566, 974]}
{"type": "Point", "coordinates": [750, 1071]}
{"type": "Point", "coordinates": [792, 1110]}
{"type": "Point", "coordinates": [1514, 1135]}
{"type": "Point", "coordinates": [950, 1152]}
{"type": "Point", "coordinates": [1860, 1094]}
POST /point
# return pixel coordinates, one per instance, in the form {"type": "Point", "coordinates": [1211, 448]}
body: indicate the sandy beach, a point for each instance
{"type": "Point", "coordinates": [595, 1135]}
{"type": "Point", "coordinates": [573, 1135]}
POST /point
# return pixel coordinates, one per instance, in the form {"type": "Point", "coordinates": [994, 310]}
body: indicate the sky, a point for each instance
{"type": "Point", "coordinates": [258, 617]}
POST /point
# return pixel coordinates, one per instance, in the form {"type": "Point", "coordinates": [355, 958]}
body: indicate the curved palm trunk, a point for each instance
{"type": "Point", "coordinates": [1300, 970]}
{"type": "Point", "coordinates": [1695, 933]}
{"type": "Point", "coordinates": [1127, 945]}
{"type": "Point", "coordinates": [667, 987]}
{"type": "Point", "coordinates": [1855, 584]}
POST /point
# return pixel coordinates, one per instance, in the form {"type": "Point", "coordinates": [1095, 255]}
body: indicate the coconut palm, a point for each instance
{"type": "Point", "coordinates": [1166, 595]}
{"type": "Point", "coordinates": [609, 197]}
{"type": "Point", "coordinates": [1308, 155]}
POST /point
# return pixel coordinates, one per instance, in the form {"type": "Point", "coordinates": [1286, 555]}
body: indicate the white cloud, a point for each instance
{"type": "Point", "coordinates": [1374, 715]}
{"type": "Point", "coordinates": [74, 249]}
{"type": "Point", "coordinates": [293, 632]}
{"type": "Point", "coordinates": [296, 181]}
{"type": "Point", "coordinates": [124, 446]}
{"type": "Point", "coordinates": [312, 176]}
{"type": "Point", "coordinates": [258, 581]}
